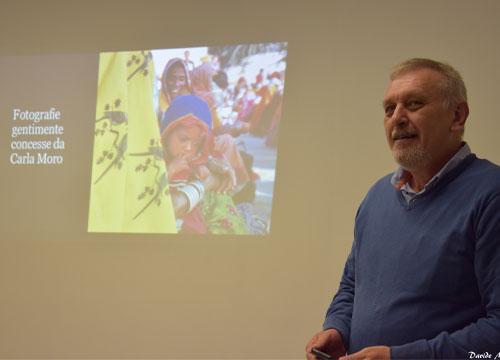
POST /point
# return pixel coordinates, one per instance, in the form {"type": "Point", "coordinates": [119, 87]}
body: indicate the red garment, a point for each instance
{"type": "Point", "coordinates": [193, 222]}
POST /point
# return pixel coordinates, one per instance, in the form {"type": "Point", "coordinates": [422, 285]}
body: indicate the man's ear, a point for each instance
{"type": "Point", "coordinates": [460, 115]}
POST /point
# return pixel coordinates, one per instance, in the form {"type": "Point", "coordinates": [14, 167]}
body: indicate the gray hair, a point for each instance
{"type": "Point", "coordinates": [453, 86]}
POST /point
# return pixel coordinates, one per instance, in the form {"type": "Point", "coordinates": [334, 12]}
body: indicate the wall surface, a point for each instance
{"type": "Point", "coordinates": [247, 297]}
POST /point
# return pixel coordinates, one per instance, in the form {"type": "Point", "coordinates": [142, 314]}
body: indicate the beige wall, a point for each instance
{"type": "Point", "coordinates": [247, 297]}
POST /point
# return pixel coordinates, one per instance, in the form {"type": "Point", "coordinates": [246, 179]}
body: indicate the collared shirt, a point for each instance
{"type": "Point", "coordinates": [400, 178]}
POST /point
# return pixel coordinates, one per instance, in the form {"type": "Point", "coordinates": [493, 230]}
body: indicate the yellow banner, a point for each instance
{"type": "Point", "coordinates": [129, 190]}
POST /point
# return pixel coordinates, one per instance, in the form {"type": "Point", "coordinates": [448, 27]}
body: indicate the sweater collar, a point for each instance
{"type": "Point", "coordinates": [401, 178]}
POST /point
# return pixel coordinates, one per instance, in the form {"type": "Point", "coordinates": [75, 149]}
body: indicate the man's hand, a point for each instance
{"type": "Point", "coordinates": [370, 353]}
{"type": "Point", "coordinates": [328, 341]}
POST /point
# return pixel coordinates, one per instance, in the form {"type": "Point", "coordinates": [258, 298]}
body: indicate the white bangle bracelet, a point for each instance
{"type": "Point", "coordinates": [192, 194]}
{"type": "Point", "coordinates": [199, 186]}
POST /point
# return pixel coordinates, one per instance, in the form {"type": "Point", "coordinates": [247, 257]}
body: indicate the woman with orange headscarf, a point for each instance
{"type": "Point", "coordinates": [196, 171]}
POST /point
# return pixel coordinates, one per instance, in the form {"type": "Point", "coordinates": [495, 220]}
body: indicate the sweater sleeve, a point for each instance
{"type": "Point", "coordinates": [483, 335]}
{"type": "Point", "coordinates": [338, 315]}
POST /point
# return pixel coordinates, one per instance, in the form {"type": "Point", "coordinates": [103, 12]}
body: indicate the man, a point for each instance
{"type": "Point", "coordinates": [188, 61]}
{"type": "Point", "coordinates": [423, 276]}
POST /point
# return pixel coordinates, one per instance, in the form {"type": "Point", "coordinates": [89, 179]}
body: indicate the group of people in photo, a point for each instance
{"type": "Point", "coordinates": [205, 117]}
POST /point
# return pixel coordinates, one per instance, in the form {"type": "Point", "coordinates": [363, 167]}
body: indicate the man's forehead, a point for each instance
{"type": "Point", "coordinates": [417, 82]}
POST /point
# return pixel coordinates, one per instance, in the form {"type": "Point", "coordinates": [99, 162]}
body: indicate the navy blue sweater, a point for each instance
{"type": "Point", "coordinates": [424, 277]}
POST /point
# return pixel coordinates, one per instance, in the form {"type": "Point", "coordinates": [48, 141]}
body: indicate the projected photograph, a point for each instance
{"type": "Point", "coordinates": [186, 139]}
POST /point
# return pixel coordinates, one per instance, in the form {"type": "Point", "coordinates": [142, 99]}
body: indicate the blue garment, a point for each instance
{"type": "Point", "coordinates": [424, 277]}
{"type": "Point", "coordinates": [186, 105]}
{"type": "Point", "coordinates": [406, 189]}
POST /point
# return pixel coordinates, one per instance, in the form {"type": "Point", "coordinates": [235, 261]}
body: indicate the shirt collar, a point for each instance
{"type": "Point", "coordinates": [401, 178]}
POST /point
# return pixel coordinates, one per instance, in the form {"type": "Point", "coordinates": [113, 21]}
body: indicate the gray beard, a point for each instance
{"type": "Point", "coordinates": [411, 157]}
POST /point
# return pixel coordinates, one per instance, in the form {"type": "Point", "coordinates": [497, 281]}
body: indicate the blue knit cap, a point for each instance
{"type": "Point", "coordinates": [186, 104]}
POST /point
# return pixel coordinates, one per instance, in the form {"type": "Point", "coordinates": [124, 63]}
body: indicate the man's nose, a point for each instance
{"type": "Point", "coordinates": [400, 115]}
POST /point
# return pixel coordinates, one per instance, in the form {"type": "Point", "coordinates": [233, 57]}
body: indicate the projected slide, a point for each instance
{"type": "Point", "coordinates": [162, 141]}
